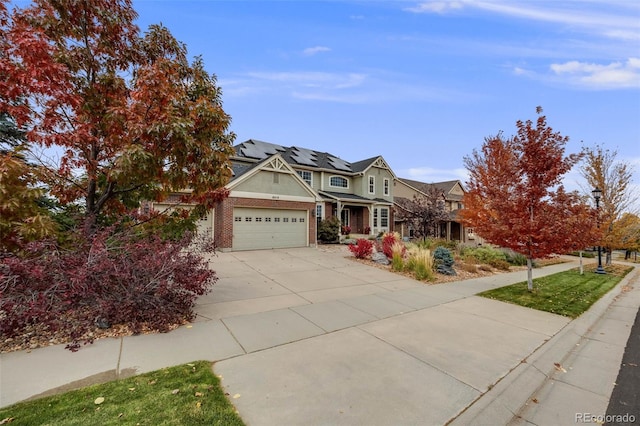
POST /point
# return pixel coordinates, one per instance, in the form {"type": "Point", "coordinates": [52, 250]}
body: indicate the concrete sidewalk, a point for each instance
{"type": "Point", "coordinates": [309, 337]}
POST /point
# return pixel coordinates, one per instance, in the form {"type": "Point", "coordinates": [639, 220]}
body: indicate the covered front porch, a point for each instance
{"type": "Point", "coordinates": [358, 215]}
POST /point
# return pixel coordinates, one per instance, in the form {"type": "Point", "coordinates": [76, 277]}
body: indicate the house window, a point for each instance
{"type": "Point", "coordinates": [338, 182]}
{"type": "Point", "coordinates": [258, 219]}
{"type": "Point", "coordinates": [305, 175]}
{"type": "Point", "coordinates": [238, 219]}
{"type": "Point", "coordinates": [459, 206]}
{"type": "Point", "coordinates": [267, 219]}
{"type": "Point", "coordinates": [247, 219]}
{"type": "Point", "coordinates": [276, 219]}
{"type": "Point", "coordinates": [375, 218]}
{"type": "Point", "coordinates": [372, 185]}
{"type": "Point", "coordinates": [386, 186]}
{"type": "Point", "coordinates": [285, 219]}
{"type": "Point", "coordinates": [302, 220]}
{"type": "Point", "coordinates": [294, 219]}
{"type": "Point", "coordinates": [384, 217]}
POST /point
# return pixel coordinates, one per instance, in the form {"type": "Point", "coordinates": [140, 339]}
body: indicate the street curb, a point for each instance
{"type": "Point", "coordinates": [501, 404]}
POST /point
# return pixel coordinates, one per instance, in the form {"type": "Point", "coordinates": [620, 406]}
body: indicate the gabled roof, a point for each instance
{"type": "Point", "coordinates": [256, 150]}
{"type": "Point", "coordinates": [446, 186]}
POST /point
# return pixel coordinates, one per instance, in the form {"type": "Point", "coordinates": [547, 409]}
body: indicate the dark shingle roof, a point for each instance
{"type": "Point", "coordinates": [260, 150]}
{"type": "Point", "coordinates": [445, 186]}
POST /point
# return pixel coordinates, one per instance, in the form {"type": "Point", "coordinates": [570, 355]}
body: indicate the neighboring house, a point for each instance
{"type": "Point", "coordinates": [279, 194]}
{"type": "Point", "coordinates": [452, 193]}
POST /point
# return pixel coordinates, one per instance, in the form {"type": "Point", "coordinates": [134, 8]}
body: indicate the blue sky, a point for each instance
{"type": "Point", "coordinates": [421, 83]}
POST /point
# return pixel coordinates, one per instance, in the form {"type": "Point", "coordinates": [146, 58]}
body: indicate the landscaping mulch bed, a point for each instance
{"type": "Point", "coordinates": [439, 278]}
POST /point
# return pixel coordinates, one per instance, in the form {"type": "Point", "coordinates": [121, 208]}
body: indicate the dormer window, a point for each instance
{"type": "Point", "coordinates": [338, 182]}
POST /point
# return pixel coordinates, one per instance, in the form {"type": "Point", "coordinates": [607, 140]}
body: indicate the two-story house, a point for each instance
{"type": "Point", "coordinates": [452, 193]}
{"type": "Point", "coordinates": [278, 195]}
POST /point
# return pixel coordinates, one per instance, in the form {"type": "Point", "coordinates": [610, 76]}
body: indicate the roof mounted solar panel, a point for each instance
{"type": "Point", "coordinates": [304, 156]}
{"type": "Point", "coordinates": [339, 164]}
{"type": "Point", "coordinates": [260, 150]}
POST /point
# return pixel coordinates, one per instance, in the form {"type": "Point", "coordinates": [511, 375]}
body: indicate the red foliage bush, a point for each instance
{"type": "Point", "coordinates": [388, 240]}
{"type": "Point", "coordinates": [107, 278]}
{"type": "Point", "coordinates": [362, 248]}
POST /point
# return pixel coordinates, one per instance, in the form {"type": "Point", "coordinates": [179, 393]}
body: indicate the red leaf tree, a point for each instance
{"type": "Point", "coordinates": [132, 117]}
{"type": "Point", "coordinates": [515, 196]}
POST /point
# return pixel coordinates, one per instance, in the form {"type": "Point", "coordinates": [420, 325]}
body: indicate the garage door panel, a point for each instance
{"type": "Point", "coordinates": [269, 228]}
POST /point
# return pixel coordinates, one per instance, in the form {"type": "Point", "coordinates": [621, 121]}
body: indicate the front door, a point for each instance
{"type": "Point", "coordinates": [344, 217]}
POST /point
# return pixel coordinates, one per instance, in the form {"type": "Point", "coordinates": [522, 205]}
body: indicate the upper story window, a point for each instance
{"type": "Point", "coordinates": [305, 175]}
{"type": "Point", "coordinates": [386, 186]}
{"type": "Point", "coordinates": [338, 182]}
{"type": "Point", "coordinates": [372, 185]}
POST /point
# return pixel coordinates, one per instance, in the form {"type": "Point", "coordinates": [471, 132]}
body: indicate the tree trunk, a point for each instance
{"type": "Point", "coordinates": [581, 267]}
{"type": "Point", "coordinates": [529, 274]}
{"type": "Point", "coordinates": [608, 257]}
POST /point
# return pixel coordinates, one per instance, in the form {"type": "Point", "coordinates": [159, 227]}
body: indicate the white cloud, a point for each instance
{"type": "Point", "coordinates": [310, 51]}
{"type": "Point", "coordinates": [435, 7]}
{"type": "Point", "coordinates": [598, 76]}
{"type": "Point", "coordinates": [610, 19]}
{"type": "Point", "coordinates": [430, 174]}
{"type": "Point", "coordinates": [313, 79]}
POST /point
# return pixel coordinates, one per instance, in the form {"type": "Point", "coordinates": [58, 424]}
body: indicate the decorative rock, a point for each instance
{"type": "Point", "coordinates": [380, 258]}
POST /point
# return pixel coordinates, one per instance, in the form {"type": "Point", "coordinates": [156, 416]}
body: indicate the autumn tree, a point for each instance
{"type": "Point", "coordinates": [626, 233]}
{"type": "Point", "coordinates": [424, 212]}
{"type": "Point", "coordinates": [133, 118]}
{"type": "Point", "coordinates": [22, 218]}
{"type": "Point", "coordinates": [601, 169]}
{"type": "Point", "coordinates": [515, 196]}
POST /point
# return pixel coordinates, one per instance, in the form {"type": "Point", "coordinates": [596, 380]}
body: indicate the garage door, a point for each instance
{"type": "Point", "coordinates": [269, 228]}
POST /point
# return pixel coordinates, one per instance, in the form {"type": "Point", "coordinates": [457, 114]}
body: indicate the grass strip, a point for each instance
{"type": "Point", "coordinates": [566, 293]}
{"type": "Point", "coordinates": [188, 394]}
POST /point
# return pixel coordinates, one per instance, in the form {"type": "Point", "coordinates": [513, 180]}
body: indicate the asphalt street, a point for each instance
{"type": "Point", "coordinates": [624, 405]}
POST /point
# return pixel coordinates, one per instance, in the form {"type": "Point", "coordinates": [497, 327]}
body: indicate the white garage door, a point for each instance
{"type": "Point", "coordinates": [269, 228]}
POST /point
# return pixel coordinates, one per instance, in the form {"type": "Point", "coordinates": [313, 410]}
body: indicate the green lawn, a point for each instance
{"type": "Point", "coordinates": [565, 293]}
{"type": "Point", "coordinates": [188, 394]}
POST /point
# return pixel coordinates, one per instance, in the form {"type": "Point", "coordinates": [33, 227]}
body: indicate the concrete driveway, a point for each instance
{"type": "Point", "coordinates": [330, 341]}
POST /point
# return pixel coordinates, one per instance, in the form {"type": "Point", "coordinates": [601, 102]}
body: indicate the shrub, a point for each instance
{"type": "Point", "coordinates": [485, 268]}
{"type": "Point", "coordinates": [388, 241]}
{"type": "Point", "coordinates": [514, 258]}
{"type": "Point", "coordinates": [107, 278]}
{"type": "Point", "coordinates": [444, 261]}
{"type": "Point", "coordinates": [420, 262]}
{"type": "Point", "coordinates": [484, 254]}
{"type": "Point", "coordinates": [398, 251]}
{"type": "Point", "coordinates": [500, 264]}
{"type": "Point", "coordinates": [469, 267]}
{"type": "Point", "coordinates": [362, 249]}
{"type": "Point", "coordinates": [442, 256]}
{"type": "Point", "coordinates": [329, 230]}
{"type": "Point", "coordinates": [346, 230]}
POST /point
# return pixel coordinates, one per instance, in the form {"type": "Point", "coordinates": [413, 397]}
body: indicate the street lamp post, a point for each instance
{"type": "Point", "coordinates": [597, 194]}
